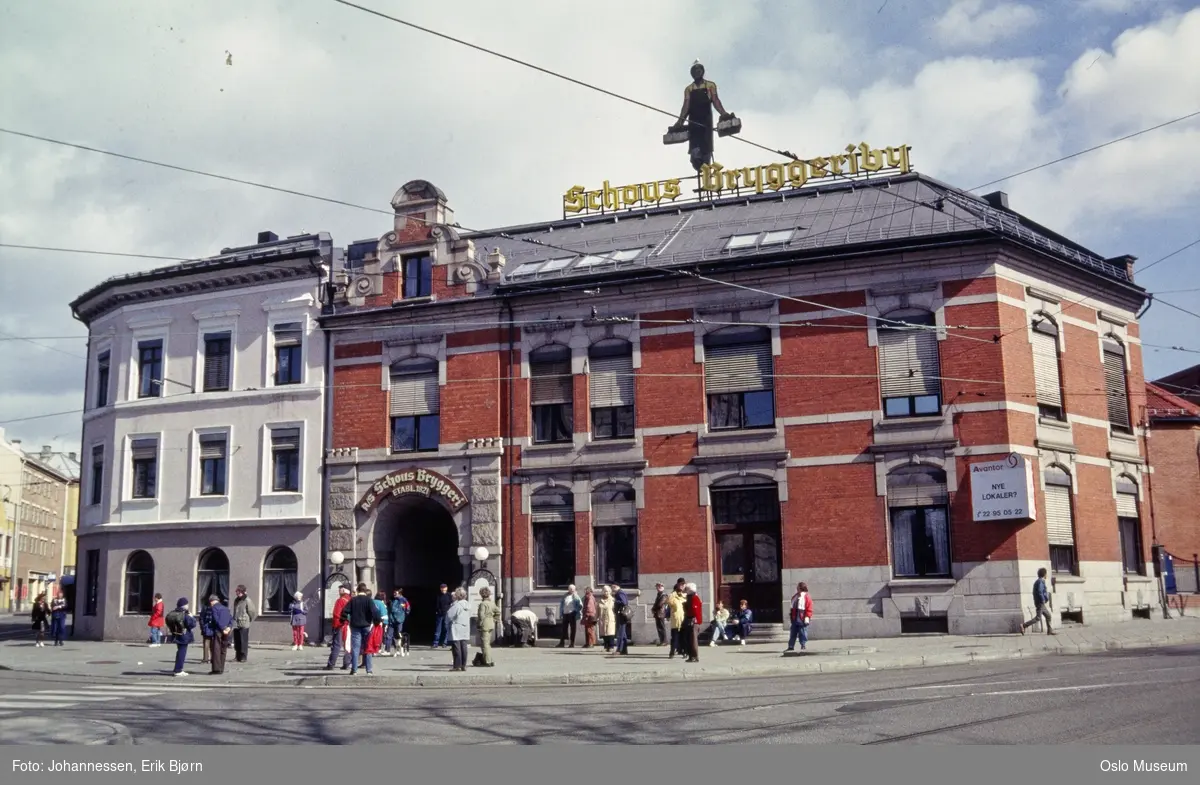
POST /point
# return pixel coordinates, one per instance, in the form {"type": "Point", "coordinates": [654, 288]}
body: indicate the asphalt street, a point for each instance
{"type": "Point", "coordinates": [1144, 697]}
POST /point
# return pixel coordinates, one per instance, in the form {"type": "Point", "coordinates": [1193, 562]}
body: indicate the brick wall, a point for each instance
{"type": "Point", "coordinates": [1175, 485]}
{"type": "Point", "coordinates": [360, 408]}
{"type": "Point", "coordinates": [470, 399]}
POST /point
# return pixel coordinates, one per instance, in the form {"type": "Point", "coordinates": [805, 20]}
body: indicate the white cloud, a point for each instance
{"type": "Point", "coordinates": [967, 23]}
{"type": "Point", "coordinates": [1115, 6]}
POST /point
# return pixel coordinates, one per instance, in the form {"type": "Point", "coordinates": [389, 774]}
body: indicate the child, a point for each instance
{"type": "Point", "coordinates": [744, 620]}
{"type": "Point", "coordinates": [299, 621]}
{"type": "Point", "coordinates": [716, 630]}
{"type": "Point", "coordinates": [58, 619]}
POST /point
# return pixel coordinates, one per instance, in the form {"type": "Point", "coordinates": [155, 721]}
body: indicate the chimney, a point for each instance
{"type": "Point", "coordinates": [1125, 262]}
{"type": "Point", "coordinates": [16, 442]}
{"type": "Point", "coordinates": [71, 456]}
{"type": "Point", "coordinates": [47, 451]}
{"type": "Point", "coordinates": [267, 237]}
{"type": "Point", "coordinates": [997, 199]}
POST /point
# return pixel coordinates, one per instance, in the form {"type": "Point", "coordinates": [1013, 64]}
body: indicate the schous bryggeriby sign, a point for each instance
{"type": "Point", "coordinates": [1003, 490]}
{"type": "Point", "coordinates": [420, 482]}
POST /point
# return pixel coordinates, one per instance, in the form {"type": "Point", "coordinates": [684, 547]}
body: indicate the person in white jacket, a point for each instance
{"type": "Point", "coordinates": [459, 618]}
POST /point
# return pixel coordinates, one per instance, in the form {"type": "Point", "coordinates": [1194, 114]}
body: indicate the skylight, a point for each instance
{"type": "Point", "coordinates": [775, 238]}
{"type": "Point", "coordinates": [742, 241]}
{"type": "Point", "coordinates": [591, 261]}
{"type": "Point", "coordinates": [627, 255]}
{"type": "Point", "coordinates": [556, 264]}
{"type": "Point", "coordinates": [529, 268]}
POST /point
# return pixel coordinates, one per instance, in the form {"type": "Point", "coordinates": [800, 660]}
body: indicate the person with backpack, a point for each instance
{"type": "Point", "coordinates": [156, 622]}
{"type": "Point", "coordinates": [179, 624]}
{"type": "Point", "coordinates": [397, 615]}
{"type": "Point", "coordinates": [58, 619]}
{"type": "Point", "coordinates": [299, 611]}
{"type": "Point", "coordinates": [624, 617]}
{"type": "Point", "coordinates": [802, 610]}
{"type": "Point", "coordinates": [205, 621]}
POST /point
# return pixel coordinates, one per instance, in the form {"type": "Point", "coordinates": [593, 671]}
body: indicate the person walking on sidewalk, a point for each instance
{"type": "Point", "coordinates": [606, 614]}
{"type": "Point", "coordinates": [693, 618]}
{"type": "Point", "coordinates": [58, 620]}
{"type": "Point", "coordinates": [675, 604]}
{"type": "Point", "coordinates": [591, 616]}
{"type": "Point", "coordinates": [156, 623]}
{"type": "Point", "coordinates": [1041, 604]}
{"type": "Point", "coordinates": [660, 612]}
{"type": "Point", "coordinates": [569, 608]}
{"type": "Point", "coordinates": [488, 616]}
{"type": "Point", "coordinates": [362, 614]}
{"type": "Point", "coordinates": [299, 611]}
{"type": "Point", "coordinates": [801, 617]}
{"type": "Point", "coordinates": [220, 626]}
{"type": "Point", "coordinates": [244, 614]}
{"type": "Point", "coordinates": [441, 629]}
{"type": "Point", "coordinates": [180, 623]}
{"type": "Point", "coordinates": [458, 619]}
{"type": "Point", "coordinates": [340, 644]}
{"type": "Point", "coordinates": [39, 618]}
{"type": "Point", "coordinates": [397, 615]}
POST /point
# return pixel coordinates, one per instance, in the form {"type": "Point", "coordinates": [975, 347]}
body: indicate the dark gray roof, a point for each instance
{"type": "Point", "coordinates": [887, 210]}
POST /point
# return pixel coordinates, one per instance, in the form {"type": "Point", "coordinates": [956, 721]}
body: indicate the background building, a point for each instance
{"type": "Point", "coordinates": [748, 391]}
{"type": "Point", "coordinates": [12, 463]}
{"type": "Point", "coordinates": [1184, 384]}
{"type": "Point", "coordinates": [1174, 453]}
{"type": "Point", "coordinates": [202, 435]}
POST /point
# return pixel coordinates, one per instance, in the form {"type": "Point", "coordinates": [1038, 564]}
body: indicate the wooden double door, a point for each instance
{"type": "Point", "coordinates": [747, 551]}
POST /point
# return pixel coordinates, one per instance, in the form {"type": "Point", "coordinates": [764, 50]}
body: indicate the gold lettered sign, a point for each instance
{"type": "Point", "coordinates": [621, 197]}
{"type": "Point", "coordinates": [413, 482]}
{"type": "Point", "coordinates": [857, 161]}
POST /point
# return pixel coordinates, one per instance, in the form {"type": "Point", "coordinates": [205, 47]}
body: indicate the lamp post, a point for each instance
{"type": "Point", "coordinates": [481, 556]}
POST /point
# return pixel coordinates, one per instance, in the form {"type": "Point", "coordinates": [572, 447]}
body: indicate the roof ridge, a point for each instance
{"type": "Point", "coordinates": [1171, 398]}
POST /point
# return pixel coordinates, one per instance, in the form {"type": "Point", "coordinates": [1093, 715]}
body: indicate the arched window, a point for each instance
{"type": "Point", "coordinates": [552, 513]}
{"type": "Point", "coordinates": [614, 527]}
{"type": "Point", "coordinates": [1060, 520]}
{"type": "Point", "coordinates": [610, 388]}
{"type": "Point", "coordinates": [739, 378]}
{"type": "Point", "coordinates": [918, 508]}
{"type": "Point", "coordinates": [279, 579]}
{"type": "Point", "coordinates": [1046, 376]}
{"type": "Point", "coordinates": [1129, 526]}
{"type": "Point", "coordinates": [139, 583]}
{"type": "Point", "coordinates": [212, 577]}
{"type": "Point", "coordinates": [551, 395]}
{"type": "Point", "coordinates": [1116, 387]}
{"type": "Point", "coordinates": [909, 369]}
{"type": "Point", "coordinates": [415, 405]}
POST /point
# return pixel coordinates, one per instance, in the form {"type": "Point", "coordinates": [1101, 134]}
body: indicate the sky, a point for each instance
{"type": "Point", "coordinates": [316, 96]}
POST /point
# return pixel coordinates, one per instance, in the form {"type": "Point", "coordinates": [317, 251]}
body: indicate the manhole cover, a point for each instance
{"type": "Point", "coordinates": [104, 662]}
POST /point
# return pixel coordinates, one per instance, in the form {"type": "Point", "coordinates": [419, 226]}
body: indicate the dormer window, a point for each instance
{"type": "Point", "coordinates": [418, 276]}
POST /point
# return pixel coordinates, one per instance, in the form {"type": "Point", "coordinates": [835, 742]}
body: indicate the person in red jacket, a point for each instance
{"type": "Point", "coordinates": [158, 621]}
{"type": "Point", "coordinates": [801, 617]}
{"type": "Point", "coordinates": [692, 619]}
{"type": "Point", "coordinates": [341, 632]}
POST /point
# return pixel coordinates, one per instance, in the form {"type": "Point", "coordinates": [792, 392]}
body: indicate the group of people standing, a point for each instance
{"type": "Point", "coordinates": [52, 615]}
{"type": "Point", "coordinates": [606, 616]}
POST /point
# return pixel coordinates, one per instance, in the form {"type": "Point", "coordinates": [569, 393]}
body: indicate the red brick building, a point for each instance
{"type": "Point", "coordinates": [749, 392]}
{"type": "Point", "coordinates": [1174, 454]}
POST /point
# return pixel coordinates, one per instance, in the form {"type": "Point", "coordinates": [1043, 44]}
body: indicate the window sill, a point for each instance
{"type": "Point", "coordinates": [1133, 577]}
{"type": "Point", "coordinates": [1050, 422]}
{"type": "Point", "coordinates": [922, 583]}
{"type": "Point", "coordinates": [900, 423]}
{"type": "Point", "coordinates": [210, 499]}
{"type": "Point", "coordinates": [1073, 580]}
{"type": "Point", "coordinates": [281, 495]}
{"type": "Point", "coordinates": [412, 301]}
{"type": "Point", "coordinates": [1121, 436]}
{"type": "Point", "coordinates": [549, 447]}
{"type": "Point", "coordinates": [738, 435]}
{"type": "Point", "coordinates": [145, 503]}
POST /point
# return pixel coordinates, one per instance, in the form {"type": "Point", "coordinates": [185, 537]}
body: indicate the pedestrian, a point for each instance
{"type": "Point", "coordinates": [660, 611]}
{"type": "Point", "coordinates": [525, 626]}
{"type": "Point", "coordinates": [375, 641]}
{"type": "Point", "coordinates": [299, 610]}
{"type": "Point", "coordinates": [180, 623]}
{"type": "Point", "coordinates": [244, 614]}
{"type": "Point", "coordinates": [569, 609]}
{"type": "Point", "coordinates": [624, 614]}
{"type": "Point", "coordinates": [716, 629]}
{"type": "Point", "coordinates": [156, 623]}
{"type": "Point", "coordinates": [39, 617]}
{"type": "Point", "coordinates": [745, 622]}
{"type": "Point", "coordinates": [488, 616]}
{"type": "Point", "coordinates": [58, 619]}
{"type": "Point", "coordinates": [458, 619]}
{"type": "Point", "coordinates": [397, 615]}
{"type": "Point", "coordinates": [801, 616]}
{"type": "Point", "coordinates": [693, 618]}
{"type": "Point", "coordinates": [362, 614]}
{"type": "Point", "coordinates": [205, 623]}
{"type": "Point", "coordinates": [606, 607]}
{"type": "Point", "coordinates": [591, 615]}
{"type": "Point", "coordinates": [441, 630]}
{"type": "Point", "coordinates": [340, 643]}
{"type": "Point", "coordinates": [220, 627]}
{"type": "Point", "coordinates": [675, 604]}
{"type": "Point", "coordinates": [1041, 604]}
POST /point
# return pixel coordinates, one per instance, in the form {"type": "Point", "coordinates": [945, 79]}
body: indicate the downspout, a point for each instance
{"type": "Point", "coordinates": [326, 435]}
{"type": "Point", "coordinates": [1154, 551]}
{"type": "Point", "coordinates": [508, 594]}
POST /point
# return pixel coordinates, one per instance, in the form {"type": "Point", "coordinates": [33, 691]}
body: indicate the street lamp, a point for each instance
{"type": "Point", "coordinates": [336, 558]}
{"type": "Point", "coordinates": [481, 555]}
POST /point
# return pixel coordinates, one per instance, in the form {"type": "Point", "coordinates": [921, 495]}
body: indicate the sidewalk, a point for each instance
{"type": "Point", "coordinates": [545, 665]}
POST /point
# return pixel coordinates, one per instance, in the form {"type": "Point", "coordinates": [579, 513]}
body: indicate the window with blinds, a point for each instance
{"type": "Point", "coordinates": [415, 403]}
{"type": "Point", "coordinates": [610, 389]}
{"type": "Point", "coordinates": [1129, 527]}
{"type": "Point", "coordinates": [289, 342]}
{"type": "Point", "coordinates": [1060, 526]}
{"type": "Point", "coordinates": [918, 508]}
{"type": "Point", "coordinates": [1047, 379]}
{"type": "Point", "coordinates": [552, 514]}
{"type": "Point", "coordinates": [551, 394]}
{"type": "Point", "coordinates": [1115, 386]}
{"type": "Point", "coordinates": [217, 357]}
{"type": "Point", "coordinates": [739, 379]}
{"type": "Point", "coordinates": [144, 468]}
{"type": "Point", "coordinates": [285, 460]}
{"type": "Point", "coordinates": [213, 452]}
{"type": "Point", "coordinates": [909, 368]}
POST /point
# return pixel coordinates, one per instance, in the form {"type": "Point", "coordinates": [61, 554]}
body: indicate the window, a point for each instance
{"type": "Point", "coordinates": [418, 276]}
{"type": "Point", "coordinates": [285, 459]}
{"type": "Point", "coordinates": [415, 402]}
{"type": "Point", "coordinates": [150, 369]}
{"type": "Point", "coordinates": [1060, 521]}
{"type": "Point", "coordinates": [97, 481]}
{"type": "Point", "coordinates": [777, 238]}
{"type": "Point", "coordinates": [1047, 380]}
{"type": "Point", "coordinates": [909, 370]}
{"type": "Point", "coordinates": [289, 364]}
{"type": "Point", "coordinates": [551, 394]}
{"type": "Point", "coordinates": [739, 378]}
{"type": "Point", "coordinates": [139, 583]}
{"type": "Point", "coordinates": [610, 385]}
{"type": "Point", "coordinates": [216, 362]}
{"type": "Point", "coordinates": [212, 576]}
{"type": "Point", "coordinates": [1129, 527]}
{"type": "Point", "coordinates": [279, 580]}
{"type": "Point", "coordinates": [1115, 387]}
{"type": "Point", "coordinates": [918, 506]}
{"type": "Point", "coordinates": [614, 526]}
{"type": "Point", "coordinates": [144, 454]}
{"type": "Point", "coordinates": [102, 365]}
{"type": "Point", "coordinates": [213, 451]}
{"type": "Point", "coordinates": [741, 241]}
{"type": "Point", "coordinates": [553, 518]}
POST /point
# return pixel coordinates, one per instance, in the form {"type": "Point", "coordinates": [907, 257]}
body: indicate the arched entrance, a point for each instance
{"type": "Point", "coordinates": [416, 548]}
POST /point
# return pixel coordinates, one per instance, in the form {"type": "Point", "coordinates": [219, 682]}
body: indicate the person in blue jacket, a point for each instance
{"type": "Point", "coordinates": [220, 626]}
{"type": "Point", "coordinates": [397, 615]}
{"type": "Point", "coordinates": [745, 621]}
{"type": "Point", "coordinates": [1041, 603]}
{"type": "Point", "coordinates": [180, 624]}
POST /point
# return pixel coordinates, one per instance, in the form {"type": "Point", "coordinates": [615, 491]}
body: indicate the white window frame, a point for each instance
{"type": "Point", "coordinates": [127, 468]}
{"type": "Point", "coordinates": [207, 326]}
{"type": "Point", "coordinates": [284, 316]}
{"type": "Point", "coordinates": [134, 380]}
{"type": "Point", "coordinates": [739, 241]}
{"type": "Point", "coordinates": [99, 348]}
{"type": "Point", "coordinates": [267, 469]}
{"type": "Point", "coordinates": [196, 477]}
